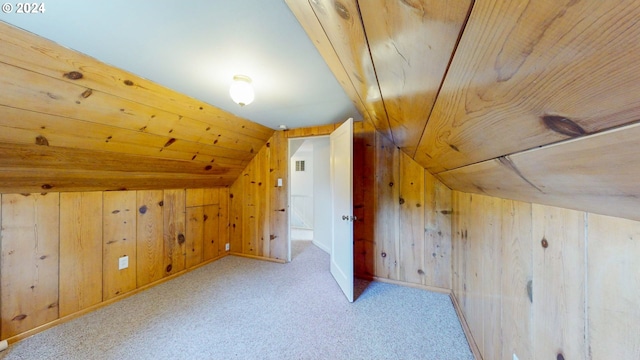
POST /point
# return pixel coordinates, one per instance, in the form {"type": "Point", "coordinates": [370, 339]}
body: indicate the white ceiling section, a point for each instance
{"type": "Point", "coordinates": [196, 46]}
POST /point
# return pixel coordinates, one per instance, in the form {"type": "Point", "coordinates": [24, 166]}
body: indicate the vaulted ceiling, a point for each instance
{"type": "Point", "coordinates": [530, 100]}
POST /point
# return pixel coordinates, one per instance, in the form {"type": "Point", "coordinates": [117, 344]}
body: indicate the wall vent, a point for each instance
{"type": "Point", "coordinates": [299, 165]}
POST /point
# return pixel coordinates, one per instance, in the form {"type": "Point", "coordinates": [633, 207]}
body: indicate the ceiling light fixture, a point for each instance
{"type": "Point", "coordinates": [241, 90]}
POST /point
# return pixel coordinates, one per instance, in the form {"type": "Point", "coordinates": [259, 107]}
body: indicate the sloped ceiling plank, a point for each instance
{"type": "Point", "coordinates": [530, 73]}
{"type": "Point", "coordinates": [35, 92]}
{"type": "Point", "coordinates": [23, 49]}
{"type": "Point", "coordinates": [343, 26]}
{"type": "Point", "coordinates": [19, 126]}
{"type": "Point", "coordinates": [36, 180]}
{"type": "Point", "coordinates": [302, 10]}
{"type": "Point", "coordinates": [596, 173]}
{"type": "Point", "coordinates": [48, 157]}
{"type": "Point", "coordinates": [411, 43]}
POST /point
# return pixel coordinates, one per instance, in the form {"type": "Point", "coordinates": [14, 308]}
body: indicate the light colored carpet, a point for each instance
{"type": "Point", "coordinates": [238, 308]}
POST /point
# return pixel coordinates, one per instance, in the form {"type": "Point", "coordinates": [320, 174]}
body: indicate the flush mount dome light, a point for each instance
{"type": "Point", "coordinates": [241, 90]}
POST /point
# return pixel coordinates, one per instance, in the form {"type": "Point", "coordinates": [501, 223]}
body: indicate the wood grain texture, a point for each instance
{"type": "Point", "coordinates": [32, 92]}
{"type": "Point", "coordinates": [411, 239]}
{"type": "Point", "coordinates": [364, 177]}
{"type": "Point", "coordinates": [194, 197]}
{"type": "Point", "coordinates": [80, 251]}
{"type": "Point", "coordinates": [48, 58]}
{"type": "Point", "coordinates": [236, 219]}
{"type": "Point", "coordinates": [387, 195]}
{"type": "Point", "coordinates": [278, 210]}
{"type": "Point", "coordinates": [29, 267]}
{"type": "Point", "coordinates": [343, 27]}
{"type": "Point", "coordinates": [613, 285]}
{"type": "Point", "coordinates": [149, 236]}
{"type": "Point", "coordinates": [211, 196]}
{"type": "Point", "coordinates": [516, 276]}
{"type": "Point", "coordinates": [194, 234]}
{"type": "Point", "coordinates": [438, 227]}
{"type": "Point", "coordinates": [495, 96]}
{"type": "Point", "coordinates": [174, 204]}
{"type": "Point", "coordinates": [411, 44]}
{"type": "Point", "coordinates": [307, 18]}
{"type": "Point", "coordinates": [210, 232]}
{"type": "Point", "coordinates": [558, 282]}
{"type": "Point", "coordinates": [311, 131]}
{"type": "Point", "coordinates": [224, 221]}
{"type": "Point", "coordinates": [119, 239]}
{"type": "Point", "coordinates": [606, 165]}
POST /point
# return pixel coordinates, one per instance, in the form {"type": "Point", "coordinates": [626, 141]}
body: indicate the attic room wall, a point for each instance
{"type": "Point", "coordinates": [403, 227]}
{"type": "Point", "coordinates": [540, 281]}
{"type": "Point", "coordinates": [60, 251]}
{"type": "Point", "coordinates": [71, 123]}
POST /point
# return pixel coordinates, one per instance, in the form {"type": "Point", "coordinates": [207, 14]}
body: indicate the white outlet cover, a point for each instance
{"type": "Point", "coordinates": [123, 262]}
{"type": "Point", "coordinates": [226, 247]}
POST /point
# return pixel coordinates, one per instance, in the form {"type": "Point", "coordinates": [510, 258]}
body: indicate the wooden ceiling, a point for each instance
{"type": "Point", "coordinates": [529, 100]}
{"type": "Point", "coordinates": [71, 123]}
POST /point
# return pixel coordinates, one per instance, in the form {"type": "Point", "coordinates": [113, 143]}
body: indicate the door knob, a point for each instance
{"type": "Point", "coordinates": [345, 217]}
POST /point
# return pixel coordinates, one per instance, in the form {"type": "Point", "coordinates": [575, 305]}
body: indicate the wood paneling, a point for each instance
{"type": "Point", "coordinates": [386, 203]}
{"type": "Point", "coordinates": [278, 215]}
{"type": "Point", "coordinates": [194, 197]}
{"type": "Point", "coordinates": [437, 212]}
{"type": "Point", "coordinates": [562, 283]}
{"type": "Point", "coordinates": [119, 239]}
{"type": "Point", "coordinates": [61, 250]}
{"type": "Point", "coordinates": [606, 165]}
{"type": "Point", "coordinates": [613, 287]}
{"type": "Point", "coordinates": [412, 220]}
{"type": "Point", "coordinates": [29, 261]}
{"type": "Point", "coordinates": [258, 208]}
{"type": "Point", "coordinates": [210, 232]}
{"type": "Point", "coordinates": [80, 251]}
{"type": "Point", "coordinates": [509, 87]}
{"type": "Point", "coordinates": [558, 282]}
{"type": "Point", "coordinates": [194, 235]}
{"type": "Point", "coordinates": [307, 18]}
{"type": "Point", "coordinates": [411, 44]}
{"type": "Point", "coordinates": [364, 147]}
{"type": "Point", "coordinates": [343, 27]}
{"type": "Point", "coordinates": [311, 131]}
{"type": "Point", "coordinates": [516, 264]}
{"type": "Point", "coordinates": [137, 134]}
{"type": "Point", "coordinates": [149, 236]}
{"type": "Point", "coordinates": [174, 204]}
{"type": "Point", "coordinates": [39, 55]}
{"type": "Point", "coordinates": [224, 221]}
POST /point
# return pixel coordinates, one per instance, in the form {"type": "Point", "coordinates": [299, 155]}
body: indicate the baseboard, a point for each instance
{"type": "Point", "coordinates": [404, 283]}
{"type": "Point", "coordinates": [322, 247]}
{"type": "Point", "coordinates": [279, 261]}
{"type": "Point", "coordinates": [465, 327]}
{"type": "Point", "coordinates": [89, 309]}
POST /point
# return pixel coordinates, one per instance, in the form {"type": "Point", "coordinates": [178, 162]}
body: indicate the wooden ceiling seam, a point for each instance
{"type": "Point", "coordinates": [446, 72]}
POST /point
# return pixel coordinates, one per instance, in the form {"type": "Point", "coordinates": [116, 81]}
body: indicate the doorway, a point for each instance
{"type": "Point", "coordinates": [310, 190]}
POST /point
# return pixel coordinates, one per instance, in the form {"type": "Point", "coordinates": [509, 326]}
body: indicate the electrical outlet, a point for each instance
{"type": "Point", "coordinates": [123, 262]}
{"type": "Point", "coordinates": [226, 247]}
{"type": "Point", "coordinates": [515, 357]}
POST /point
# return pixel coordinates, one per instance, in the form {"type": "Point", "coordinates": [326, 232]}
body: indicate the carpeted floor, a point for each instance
{"type": "Point", "coordinates": [238, 308]}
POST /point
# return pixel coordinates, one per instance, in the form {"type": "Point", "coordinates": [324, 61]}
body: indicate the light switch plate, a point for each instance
{"type": "Point", "coordinates": [226, 246]}
{"type": "Point", "coordinates": [279, 182]}
{"type": "Point", "coordinates": [123, 262]}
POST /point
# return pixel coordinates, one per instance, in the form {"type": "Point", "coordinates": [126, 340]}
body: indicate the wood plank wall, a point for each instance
{"type": "Point", "coordinates": [403, 226]}
{"type": "Point", "coordinates": [545, 282]}
{"type": "Point", "coordinates": [258, 207]}
{"type": "Point", "coordinates": [59, 252]}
